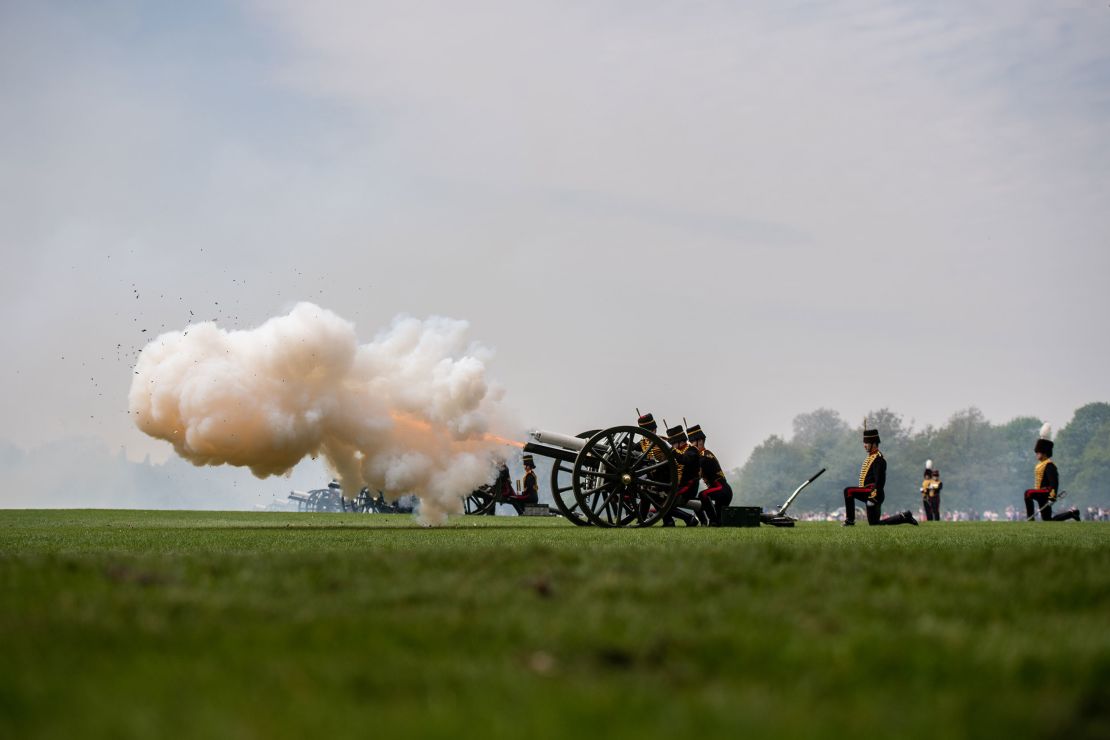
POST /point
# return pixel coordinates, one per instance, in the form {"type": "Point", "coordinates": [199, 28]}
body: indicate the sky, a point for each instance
{"type": "Point", "coordinates": [731, 212]}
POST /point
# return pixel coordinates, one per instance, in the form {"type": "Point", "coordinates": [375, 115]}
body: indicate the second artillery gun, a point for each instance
{"type": "Point", "coordinates": [616, 477]}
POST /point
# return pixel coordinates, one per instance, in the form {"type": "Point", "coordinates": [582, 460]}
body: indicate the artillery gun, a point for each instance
{"type": "Point", "coordinates": [331, 500]}
{"type": "Point", "coordinates": [328, 499]}
{"type": "Point", "coordinates": [616, 477]}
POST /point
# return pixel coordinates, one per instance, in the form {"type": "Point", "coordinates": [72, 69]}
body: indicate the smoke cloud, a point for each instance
{"type": "Point", "coordinates": [411, 412]}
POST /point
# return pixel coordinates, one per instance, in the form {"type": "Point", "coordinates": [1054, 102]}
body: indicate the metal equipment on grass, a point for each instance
{"type": "Point", "coordinates": [779, 518]}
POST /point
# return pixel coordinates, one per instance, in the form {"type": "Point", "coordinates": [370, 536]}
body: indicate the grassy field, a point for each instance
{"type": "Point", "coordinates": [244, 625]}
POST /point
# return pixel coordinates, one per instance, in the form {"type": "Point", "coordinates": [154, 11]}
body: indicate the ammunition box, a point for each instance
{"type": "Point", "coordinates": [741, 516]}
{"type": "Point", "coordinates": [536, 510]}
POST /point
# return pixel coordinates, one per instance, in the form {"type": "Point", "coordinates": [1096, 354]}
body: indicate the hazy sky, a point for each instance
{"type": "Point", "coordinates": [735, 212]}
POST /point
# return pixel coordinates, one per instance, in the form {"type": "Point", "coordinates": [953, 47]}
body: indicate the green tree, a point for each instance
{"type": "Point", "coordinates": [768, 472]}
{"type": "Point", "coordinates": [1083, 454]}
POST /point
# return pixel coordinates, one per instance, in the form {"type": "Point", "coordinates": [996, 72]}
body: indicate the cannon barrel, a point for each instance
{"type": "Point", "coordinates": [555, 446]}
{"type": "Point", "coordinates": [554, 439]}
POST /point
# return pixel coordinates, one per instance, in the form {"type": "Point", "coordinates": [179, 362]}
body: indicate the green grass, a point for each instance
{"type": "Point", "coordinates": [242, 625]}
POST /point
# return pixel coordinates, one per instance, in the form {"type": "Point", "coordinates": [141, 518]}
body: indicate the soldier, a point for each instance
{"type": "Point", "coordinates": [872, 481]}
{"type": "Point", "coordinates": [930, 492]}
{"type": "Point", "coordinates": [648, 423]}
{"type": "Point", "coordinates": [529, 487]}
{"type": "Point", "coordinates": [1046, 481]}
{"type": "Point", "coordinates": [718, 493]}
{"type": "Point", "coordinates": [926, 482]}
{"type": "Point", "coordinates": [689, 473]}
{"type": "Point", "coordinates": [934, 494]}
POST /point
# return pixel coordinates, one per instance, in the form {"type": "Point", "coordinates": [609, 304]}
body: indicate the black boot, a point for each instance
{"type": "Point", "coordinates": [905, 517]}
{"type": "Point", "coordinates": [687, 518]}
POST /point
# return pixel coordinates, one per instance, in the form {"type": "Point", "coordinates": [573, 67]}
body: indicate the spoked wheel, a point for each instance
{"type": "Point", "coordinates": [481, 501]}
{"type": "Point", "coordinates": [625, 475]}
{"type": "Point", "coordinates": [562, 489]}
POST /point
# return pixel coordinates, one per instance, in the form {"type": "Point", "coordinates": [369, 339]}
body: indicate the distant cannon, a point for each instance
{"type": "Point", "coordinates": [328, 499]}
{"type": "Point", "coordinates": [616, 477]}
{"type": "Point", "coordinates": [332, 500]}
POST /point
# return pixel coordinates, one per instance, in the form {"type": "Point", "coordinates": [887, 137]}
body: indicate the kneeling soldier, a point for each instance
{"type": "Point", "coordinates": [1046, 481]}
{"type": "Point", "coordinates": [689, 473]}
{"type": "Point", "coordinates": [872, 481]}
{"type": "Point", "coordinates": [718, 493]}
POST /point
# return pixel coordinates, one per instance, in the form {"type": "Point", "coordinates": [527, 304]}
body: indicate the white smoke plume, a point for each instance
{"type": "Point", "coordinates": [412, 412]}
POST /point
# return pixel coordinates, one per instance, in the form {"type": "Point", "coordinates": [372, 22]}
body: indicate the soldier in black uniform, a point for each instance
{"type": "Point", "coordinates": [648, 423]}
{"type": "Point", "coordinates": [934, 494]}
{"type": "Point", "coordinates": [687, 463]}
{"type": "Point", "coordinates": [529, 487]}
{"type": "Point", "coordinates": [1046, 483]}
{"type": "Point", "coordinates": [930, 492]}
{"type": "Point", "coordinates": [689, 474]}
{"type": "Point", "coordinates": [718, 493]}
{"type": "Point", "coordinates": [872, 481]}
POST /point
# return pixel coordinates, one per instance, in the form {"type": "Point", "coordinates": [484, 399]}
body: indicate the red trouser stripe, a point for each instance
{"type": "Point", "coordinates": [714, 489]}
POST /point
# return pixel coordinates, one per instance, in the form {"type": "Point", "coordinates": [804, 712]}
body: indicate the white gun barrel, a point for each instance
{"type": "Point", "coordinates": [555, 439]}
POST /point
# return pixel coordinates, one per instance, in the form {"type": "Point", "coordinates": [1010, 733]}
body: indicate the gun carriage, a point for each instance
{"type": "Point", "coordinates": [328, 499]}
{"type": "Point", "coordinates": [616, 477]}
{"type": "Point", "coordinates": [331, 500]}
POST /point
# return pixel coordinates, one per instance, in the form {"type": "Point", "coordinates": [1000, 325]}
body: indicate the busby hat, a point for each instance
{"type": "Point", "coordinates": [871, 436]}
{"type": "Point", "coordinates": [694, 432]}
{"type": "Point", "coordinates": [676, 435]}
{"type": "Point", "coordinates": [647, 421]}
{"type": "Point", "coordinates": [529, 461]}
{"type": "Point", "coordinates": [1044, 444]}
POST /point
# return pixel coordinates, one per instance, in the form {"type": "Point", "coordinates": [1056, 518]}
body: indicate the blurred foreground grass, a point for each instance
{"type": "Point", "coordinates": [260, 625]}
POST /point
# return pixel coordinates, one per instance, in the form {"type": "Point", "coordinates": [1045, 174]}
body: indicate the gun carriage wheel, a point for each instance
{"type": "Point", "coordinates": [482, 501]}
{"type": "Point", "coordinates": [562, 489]}
{"type": "Point", "coordinates": [625, 475]}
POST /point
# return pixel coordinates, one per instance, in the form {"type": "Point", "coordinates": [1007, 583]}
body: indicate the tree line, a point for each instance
{"type": "Point", "coordinates": [984, 467]}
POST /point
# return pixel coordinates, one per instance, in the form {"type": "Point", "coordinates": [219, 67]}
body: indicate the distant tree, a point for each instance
{"type": "Point", "coordinates": [768, 472]}
{"type": "Point", "coordinates": [892, 428]}
{"type": "Point", "coordinates": [822, 429]}
{"type": "Point", "coordinates": [1085, 427]}
{"type": "Point", "coordinates": [1083, 453]}
{"type": "Point", "coordinates": [1092, 476]}
{"type": "Point", "coordinates": [1015, 463]}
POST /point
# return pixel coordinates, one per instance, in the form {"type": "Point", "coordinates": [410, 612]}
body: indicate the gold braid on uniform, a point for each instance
{"type": "Point", "coordinates": [1038, 472]}
{"type": "Point", "coordinates": [678, 464]}
{"type": "Point", "coordinates": [711, 456]}
{"type": "Point", "coordinates": [866, 467]}
{"type": "Point", "coordinates": [652, 450]}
